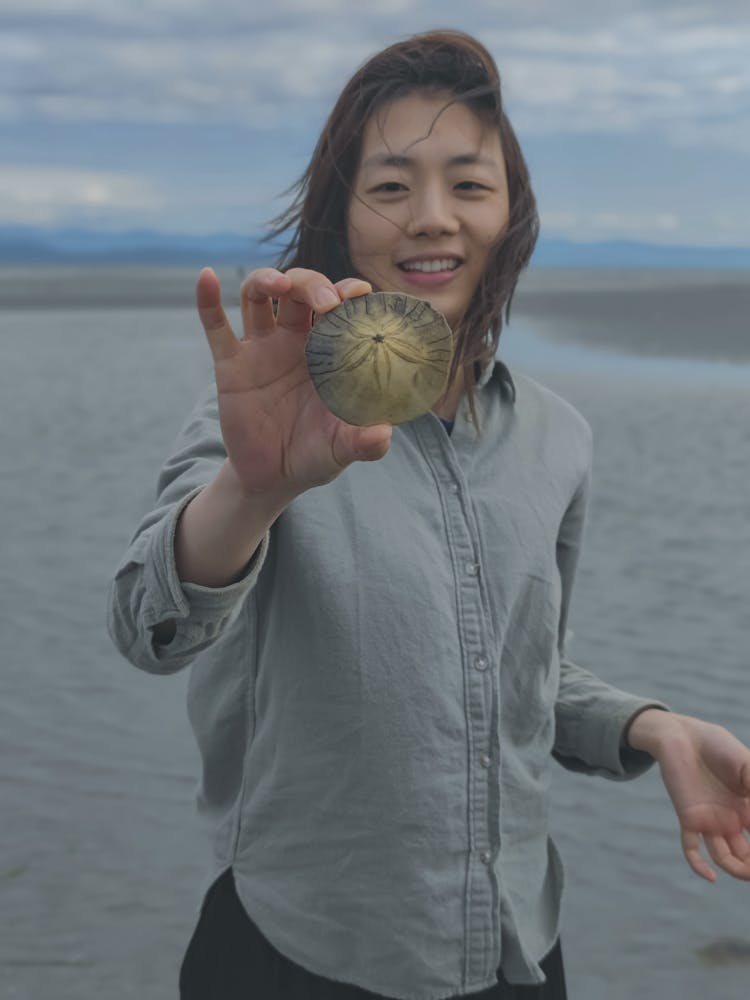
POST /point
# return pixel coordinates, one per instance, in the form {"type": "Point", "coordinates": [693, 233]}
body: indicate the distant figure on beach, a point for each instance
{"type": "Point", "coordinates": [375, 618]}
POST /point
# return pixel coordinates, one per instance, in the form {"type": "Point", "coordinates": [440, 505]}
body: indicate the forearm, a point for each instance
{"type": "Point", "coordinates": [221, 529]}
{"type": "Point", "coordinates": [648, 730]}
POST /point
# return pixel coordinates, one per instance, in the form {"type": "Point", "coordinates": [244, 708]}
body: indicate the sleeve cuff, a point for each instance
{"type": "Point", "coordinates": [597, 745]}
{"type": "Point", "coordinates": [635, 762]}
{"type": "Point", "coordinates": [619, 758]}
{"type": "Point", "coordinates": [200, 613]}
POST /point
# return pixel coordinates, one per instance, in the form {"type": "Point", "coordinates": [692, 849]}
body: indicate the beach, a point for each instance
{"type": "Point", "coordinates": [660, 313]}
{"type": "Point", "coordinates": [102, 859]}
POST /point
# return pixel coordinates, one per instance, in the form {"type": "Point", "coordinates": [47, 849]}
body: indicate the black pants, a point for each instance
{"type": "Point", "coordinates": [229, 959]}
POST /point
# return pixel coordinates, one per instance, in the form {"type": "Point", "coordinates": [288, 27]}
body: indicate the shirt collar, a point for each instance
{"type": "Point", "coordinates": [498, 368]}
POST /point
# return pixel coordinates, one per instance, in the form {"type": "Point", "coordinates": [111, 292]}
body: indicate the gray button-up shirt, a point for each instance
{"type": "Point", "coordinates": [378, 701]}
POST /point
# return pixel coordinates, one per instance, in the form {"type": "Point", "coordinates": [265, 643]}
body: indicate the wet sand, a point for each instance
{"type": "Point", "coordinates": [649, 312]}
{"type": "Point", "coordinates": [103, 857]}
{"type": "Point", "coordinates": [675, 314]}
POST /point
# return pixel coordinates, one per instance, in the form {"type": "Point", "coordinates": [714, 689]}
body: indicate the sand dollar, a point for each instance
{"type": "Point", "coordinates": [380, 358]}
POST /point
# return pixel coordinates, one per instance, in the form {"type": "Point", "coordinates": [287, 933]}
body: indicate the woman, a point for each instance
{"type": "Point", "coordinates": [376, 616]}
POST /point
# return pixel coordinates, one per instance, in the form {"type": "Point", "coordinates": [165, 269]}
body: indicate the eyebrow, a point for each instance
{"type": "Point", "coordinates": [399, 160]}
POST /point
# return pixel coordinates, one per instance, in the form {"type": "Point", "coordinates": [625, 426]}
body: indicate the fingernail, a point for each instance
{"type": "Point", "coordinates": [357, 288]}
{"type": "Point", "coordinates": [324, 298]}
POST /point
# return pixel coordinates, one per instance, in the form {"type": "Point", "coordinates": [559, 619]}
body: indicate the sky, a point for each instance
{"type": "Point", "coordinates": [194, 116]}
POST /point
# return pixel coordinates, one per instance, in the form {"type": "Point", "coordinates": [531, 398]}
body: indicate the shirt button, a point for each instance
{"type": "Point", "coordinates": [453, 487]}
{"type": "Point", "coordinates": [486, 760]}
{"type": "Point", "coordinates": [472, 568]}
{"type": "Point", "coordinates": [485, 857]}
{"type": "Point", "coordinates": [480, 662]}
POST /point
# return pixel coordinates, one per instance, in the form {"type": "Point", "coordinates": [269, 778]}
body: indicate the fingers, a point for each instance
{"type": "Point", "coordinates": [350, 288]}
{"type": "Point", "coordinates": [256, 300]}
{"type": "Point", "coordinates": [310, 292]}
{"type": "Point", "coordinates": [300, 293]}
{"type": "Point", "coordinates": [219, 333]}
{"type": "Point", "coordinates": [745, 778]}
{"type": "Point", "coordinates": [693, 856]}
{"type": "Point", "coordinates": [741, 848]}
{"type": "Point", "coordinates": [730, 853]}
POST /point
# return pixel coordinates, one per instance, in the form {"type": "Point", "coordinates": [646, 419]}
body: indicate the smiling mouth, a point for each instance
{"type": "Point", "coordinates": [431, 266]}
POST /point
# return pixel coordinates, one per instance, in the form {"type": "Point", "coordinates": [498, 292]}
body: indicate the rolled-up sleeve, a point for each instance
{"type": "Point", "coordinates": [146, 590]}
{"type": "Point", "coordinates": [591, 716]}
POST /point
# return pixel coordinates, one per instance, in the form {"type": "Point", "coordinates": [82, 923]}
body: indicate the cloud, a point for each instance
{"type": "Point", "coordinates": [241, 89]}
{"type": "Point", "coordinates": [627, 222]}
{"type": "Point", "coordinates": [581, 68]}
{"type": "Point", "coordinates": [33, 195]}
{"type": "Point", "coordinates": [645, 71]}
{"type": "Point", "coordinates": [601, 225]}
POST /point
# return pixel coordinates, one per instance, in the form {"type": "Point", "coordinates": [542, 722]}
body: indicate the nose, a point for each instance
{"type": "Point", "coordinates": [431, 213]}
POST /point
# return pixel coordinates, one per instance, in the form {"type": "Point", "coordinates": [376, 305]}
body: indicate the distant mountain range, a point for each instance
{"type": "Point", "coordinates": [628, 253]}
{"type": "Point", "coordinates": [37, 245]}
{"type": "Point", "coordinates": [24, 245]}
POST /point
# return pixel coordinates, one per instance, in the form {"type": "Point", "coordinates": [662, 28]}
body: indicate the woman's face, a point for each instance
{"type": "Point", "coordinates": [428, 201]}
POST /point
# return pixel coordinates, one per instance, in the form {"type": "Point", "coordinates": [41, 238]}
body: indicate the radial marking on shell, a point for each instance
{"type": "Point", "coordinates": [382, 357]}
{"type": "Point", "coordinates": [352, 365]}
{"type": "Point", "coordinates": [376, 370]}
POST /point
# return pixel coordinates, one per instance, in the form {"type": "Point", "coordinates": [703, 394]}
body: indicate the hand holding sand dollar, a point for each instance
{"type": "Point", "coordinates": [380, 358]}
{"type": "Point", "coordinates": [280, 437]}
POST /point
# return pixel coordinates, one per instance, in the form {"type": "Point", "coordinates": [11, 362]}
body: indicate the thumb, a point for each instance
{"type": "Point", "coordinates": [361, 444]}
{"type": "Point", "coordinates": [745, 777]}
{"type": "Point", "coordinates": [736, 774]}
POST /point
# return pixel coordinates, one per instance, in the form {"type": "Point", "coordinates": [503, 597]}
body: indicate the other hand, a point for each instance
{"type": "Point", "coordinates": [706, 771]}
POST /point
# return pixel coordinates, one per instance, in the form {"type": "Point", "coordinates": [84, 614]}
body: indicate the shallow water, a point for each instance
{"type": "Point", "coordinates": [101, 857]}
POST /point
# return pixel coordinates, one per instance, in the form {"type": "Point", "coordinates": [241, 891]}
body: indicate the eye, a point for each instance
{"type": "Point", "coordinates": [390, 187]}
{"type": "Point", "coordinates": [471, 186]}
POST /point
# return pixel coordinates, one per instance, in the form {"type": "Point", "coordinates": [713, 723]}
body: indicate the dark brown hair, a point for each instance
{"type": "Point", "coordinates": [436, 61]}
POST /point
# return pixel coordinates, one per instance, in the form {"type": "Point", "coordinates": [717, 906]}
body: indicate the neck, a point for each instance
{"type": "Point", "coordinates": [447, 406]}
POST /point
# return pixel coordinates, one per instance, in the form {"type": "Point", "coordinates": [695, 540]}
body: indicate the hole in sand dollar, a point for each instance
{"type": "Point", "coordinates": [380, 358]}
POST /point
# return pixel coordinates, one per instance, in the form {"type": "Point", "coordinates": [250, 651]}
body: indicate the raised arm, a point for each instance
{"type": "Point", "coordinates": [262, 439]}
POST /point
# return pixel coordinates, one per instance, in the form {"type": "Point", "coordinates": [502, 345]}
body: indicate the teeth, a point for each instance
{"type": "Point", "coordinates": [447, 264]}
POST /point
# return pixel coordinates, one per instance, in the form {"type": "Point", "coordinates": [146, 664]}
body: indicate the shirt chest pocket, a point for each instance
{"type": "Point", "coordinates": [524, 594]}
{"type": "Point", "coordinates": [517, 539]}
{"type": "Point", "coordinates": [529, 656]}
